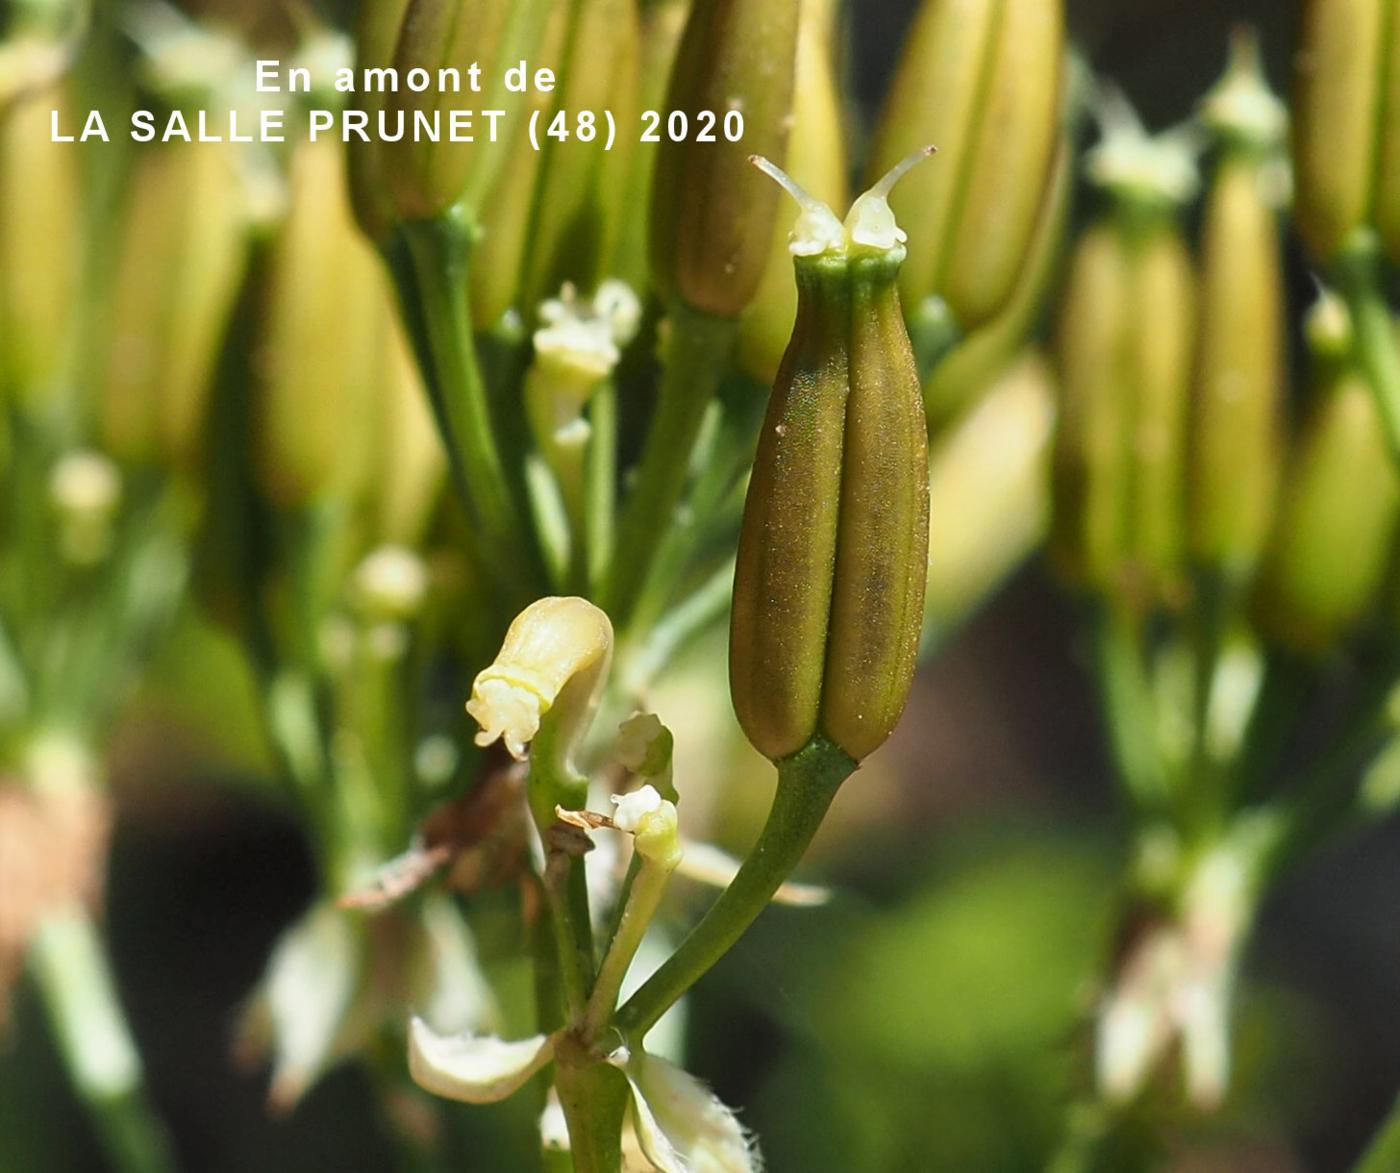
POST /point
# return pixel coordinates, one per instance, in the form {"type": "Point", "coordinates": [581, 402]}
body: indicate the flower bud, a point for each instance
{"type": "Point", "coordinates": [427, 177]}
{"type": "Point", "coordinates": [712, 215]}
{"type": "Point", "coordinates": [982, 80]}
{"type": "Point", "coordinates": [1236, 436]}
{"type": "Point", "coordinates": [1124, 351]}
{"type": "Point", "coordinates": [1340, 507]}
{"type": "Point", "coordinates": [829, 585]}
{"type": "Point", "coordinates": [1346, 126]}
{"type": "Point", "coordinates": [40, 238]}
{"type": "Point", "coordinates": [182, 254]}
{"type": "Point", "coordinates": [555, 657]}
{"type": "Point", "coordinates": [85, 491]}
{"type": "Point", "coordinates": [817, 152]}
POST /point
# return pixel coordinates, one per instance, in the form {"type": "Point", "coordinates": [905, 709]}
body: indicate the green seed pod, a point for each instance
{"type": "Point", "coordinates": [1236, 441]}
{"type": "Point", "coordinates": [322, 350]}
{"type": "Point", "coordinates": [1338, 113]}
{"type": "Point", "coordinates": [981, 79]}
{"type": "Point", "coordinates": [577, 214]}
{"type": "Point", "coordinates": [1340, 507]}
{"type": "Point", "coordinates": [663, 22]}
{"type": "Point", "coordinates": [975, 362]}
{"type": "Point", "coordinates": [182, 255]}
{"type": "Point", "coordinates": [829, 584]}
{"type": "Point", "coordinates": [712, 215]}
{"type": "Point", "coordinates": [817, 152]}
{"type": "Point", "coordinates": [1124, 348]}
{"type": "Point", "coordinates": [425, 177]}
{"type": "Point", "coordinates": [1387, 204]}
{"type": "Point", "coordinates": [376, 39]}
{"type": "Point", "coordinates": [40, 238]}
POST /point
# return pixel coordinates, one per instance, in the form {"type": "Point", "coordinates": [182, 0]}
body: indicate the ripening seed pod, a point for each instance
{"type": "Point", "coordinates": [1340, 507]}
{"type": "Point", "coordinates": [577, 213]}
{"type": "Point", "coordinates": [40, 238]}
{"type": "Point", "coordinates": [829, 583]}
{"type": "Point", "coordinates": [1346, 124]}
{"type": "Point", "coordinates": [426, 177]}
{"type": "Point", "coordinates": [817, 152]}
{"type": "Point", "coordinates": [981, 79]}
{"type": "Point", "coordinates": [377, 28]}
{"type": "Point", "coordinates": [1236, 429]}
{"type": "Point", "coordinates": [182, 254]}
{"type": "Point", "coordinates": [320, 352]}
{"type": "Point", "coordinates": [408, 466]}
{"type": "Point", "coordinates": [662, 23]}
{"type": "Point", "coordinates": [712, 215]}
{"type": "Point", "coordinates": [1124, 347]}
{"type": "Point", "coordinates": [974, 363]}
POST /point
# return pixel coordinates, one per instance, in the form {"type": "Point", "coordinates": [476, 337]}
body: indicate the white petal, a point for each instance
{"type": "Point", "coordinates": [478, 1069]}
{"type": "Point", "coordinates": [633, 807]}
{"type": "Point", "coordinates": [554, 1129]}
{"type": "Point", "coordinates": [680, 1124]}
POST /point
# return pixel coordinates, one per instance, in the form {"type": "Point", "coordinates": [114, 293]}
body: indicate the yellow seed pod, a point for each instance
{"type": "Point", "coordinates": [989, 491]}
{"type": "Point", "coordinates": [1236, 441]}
{"type": "Point", "coordinates": [1338, 516]}
{"type": "Point", "coordinates": [975, 362]}
{"type": "Point", "coordinates": [1124, 347]}
{"type": "Point", "coordinates": [1387, 203]}
{"type": "Point", "coordinates": [408, 465]}
{"type": "Point", "coordinates": [1337, 110]}
{"type": "Point", "coordinates": [712, 215]}
{"type": "Point", "coordinates": [41, 229]}
{"type": "Point", "coordinates": [427, 177]}
{"type": "Point", "coordinates": [182, 255]}
{"type": "Point", "coordinates": [817, 155]}
{"type": "Point", "coordinates": [981, 80]}
{"type": "Point", "coordinates": [323, 337]}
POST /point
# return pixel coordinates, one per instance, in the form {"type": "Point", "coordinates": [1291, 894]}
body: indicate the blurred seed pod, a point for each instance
{"type": "Point", "coordinates": [971, 366]}
{"type": "Point", "coordinates": [1124, 349]}
{"type": "Point", "coordinates": [408, 466]}
{"type": "Point", "coordinates": [662, 24]}
{"type": "Point", "coordinates": [377, 29]}
{"type": "Point", "coordinates": [1236, 441]}
{"type": "Point", "coordinates": [712, 214]}
{"type": "Point", "coordinates": [1339, 511]}
{"type": "Point", "coordinates": [41, 233]}
{"type": "Point", "coordinates": [318, 354]}
{"type": "Point", "coordinates": [817, 157]}
{"type": "Point", "coordinates": [980, 79]}
{"type": "Point", "coordinates": [1346, 124]}
{"type": "Point", "coordinates": [989, 492]}
{"type": "Point", "coordinates": [426, 178]}
{"type": "Point", "coordinates": [182, 253]}
{"type": "Point", "coordinates": [577, 212]}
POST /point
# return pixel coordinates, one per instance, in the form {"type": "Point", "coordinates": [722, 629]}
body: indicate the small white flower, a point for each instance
{"type": "Point", "coordinates": [681, 1125]}
{"type": "Point", "coordinates": [634, 807]}
{"type": "Point", "coordinates": [476, 1069]}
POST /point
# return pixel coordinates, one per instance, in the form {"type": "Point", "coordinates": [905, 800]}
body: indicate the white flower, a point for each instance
{"type": "Point", "coordinates": [634, 807]}
{"type": "Point", "coordinates": [477, 1069]}
{"type": "Point", "coordinates": [680, 1124]}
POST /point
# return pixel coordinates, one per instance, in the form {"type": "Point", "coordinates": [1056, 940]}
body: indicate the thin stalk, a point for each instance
{"type": "Point", "coordinates": [1128, 708]}
{"type": "Point", "coordinates": [678, 627]}
{"type": "Point", "coordinates": [1357, 272]}
{"type": "Point", "coordinates": [696, 358]}
{"type": "Point", "coordinates": [439, 250]}
{"type": "Point", "coordinates": [600, 486]}
{"type": "Point", "coordinates": [807, 783]}
{"type": "Point", "coordinates": [75, 983]}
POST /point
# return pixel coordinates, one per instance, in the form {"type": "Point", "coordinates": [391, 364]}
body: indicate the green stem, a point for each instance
{"type": "Point", "coordinates": [594, 1097]}
{"type": "Point", "coordinates": [71, 971]}
{"type": "Point", "coordinates": [1357, 272]}
{"type": "Point", "coordinates": [601, 485]}
{"type": "Point", "coordinates": [665, 639]}
{"type": "Point", "coordinates": [439, 250]}
{"type": "Point", "coordinates": [696, 357]}
{"type": "Point", "coordinates": [1128, 709]}
{"type": "Point", "coordinates": [807, 783]}
{"type": "Point", "coordinates": [1382, 1155]}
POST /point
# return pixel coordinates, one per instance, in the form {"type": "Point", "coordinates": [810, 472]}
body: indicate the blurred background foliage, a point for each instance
{"type": "Point", "coordinates": [932, 1017]}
